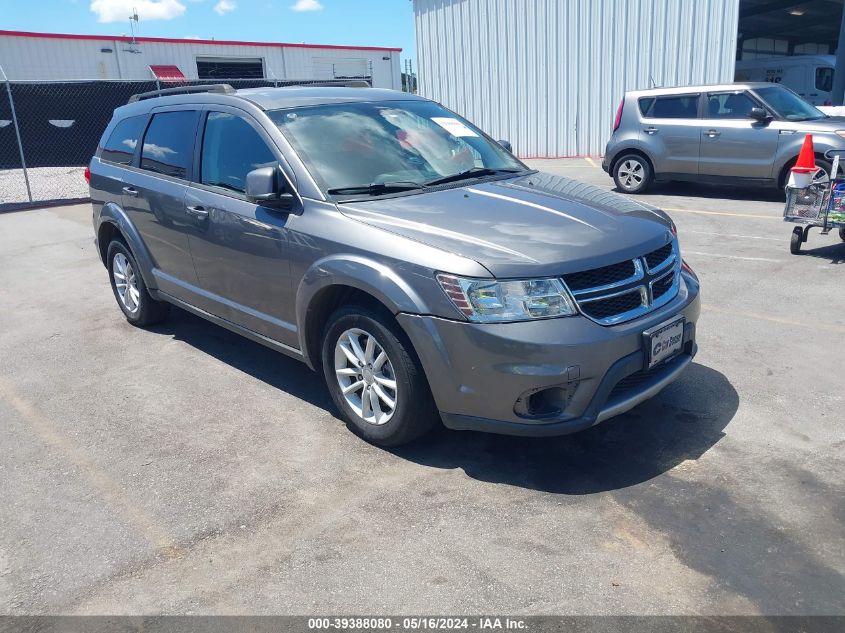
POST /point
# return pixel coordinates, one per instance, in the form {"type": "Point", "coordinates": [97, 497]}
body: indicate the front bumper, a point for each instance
{"type": "Point", "coordinates": [479, 372]}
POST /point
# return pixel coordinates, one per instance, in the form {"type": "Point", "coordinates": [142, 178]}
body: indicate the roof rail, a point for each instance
{"type": "Point", "coordinates": [332, 83]}
{"type": "Point", "coordinates": [225, 89]}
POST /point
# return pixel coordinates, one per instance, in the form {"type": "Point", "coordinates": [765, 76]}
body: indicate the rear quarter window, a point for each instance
{"type": "Point", "coordinates": [670, 107]}
{"type": "Point", "coordinates": [120, 146]}
{"type": "Point", "coordinates": [169, 143]}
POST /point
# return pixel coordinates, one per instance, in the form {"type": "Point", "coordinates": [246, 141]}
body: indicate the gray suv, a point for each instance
{"type": "Point", "coordinates": [747, 133]}
{"type": "Point", "coordinates": [391, 245]}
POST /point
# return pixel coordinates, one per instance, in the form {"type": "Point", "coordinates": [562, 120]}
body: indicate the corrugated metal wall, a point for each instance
{"type": "Point", "coordinates": [548, 74]}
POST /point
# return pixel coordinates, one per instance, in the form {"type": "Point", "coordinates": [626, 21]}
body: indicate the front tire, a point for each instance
{"type": "Point", "coordinates": [374, 378]}
{"type": "Point", "coordinates": [129, 289]}
{"type": "Point", "coordinates": [633, 174]}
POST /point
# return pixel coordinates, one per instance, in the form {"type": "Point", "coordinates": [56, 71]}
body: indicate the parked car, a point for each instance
{"type": "Point", "coordinates": [394, 247]}
{"type": "Point", "coordinates": [729, 134]}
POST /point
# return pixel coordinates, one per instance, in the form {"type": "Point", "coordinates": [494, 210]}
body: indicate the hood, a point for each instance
{"type": "Point", "coordinates": [532, 225]}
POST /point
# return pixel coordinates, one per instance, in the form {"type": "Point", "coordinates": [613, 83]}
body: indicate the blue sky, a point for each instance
{"type": "Point", "coordinates": [350, 22]}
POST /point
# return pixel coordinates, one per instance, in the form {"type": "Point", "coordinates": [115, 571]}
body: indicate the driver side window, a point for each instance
{"type": "Point", "coordinates": [231, 148]}
{"type": "Point", "coordinates": [729, 106]}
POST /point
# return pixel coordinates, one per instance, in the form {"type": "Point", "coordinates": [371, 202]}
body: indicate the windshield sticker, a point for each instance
{"type": "Point", "coordinates": [453, 126]}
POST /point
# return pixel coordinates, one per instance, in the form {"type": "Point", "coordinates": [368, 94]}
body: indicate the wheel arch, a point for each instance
{"type": "Point", "coordinates": [783, 174]}
{"type": "Point", "coordinates": [341, 280]}
{"type": "Point", "coordinates": [630, 150]}
{"type": "Point", "coordinates": [115, 223]}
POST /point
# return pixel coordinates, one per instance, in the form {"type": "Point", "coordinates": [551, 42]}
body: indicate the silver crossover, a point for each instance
{"type": "Point", "coordinates": [729, 134]}
{"type": "Point", "coordinates": [395, 248]}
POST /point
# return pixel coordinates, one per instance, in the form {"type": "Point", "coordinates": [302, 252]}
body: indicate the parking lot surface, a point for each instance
{"type": "Point", "coordinates": [186, 470]}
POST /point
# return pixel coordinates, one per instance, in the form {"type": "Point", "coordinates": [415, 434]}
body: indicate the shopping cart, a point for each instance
{"type": "Point", "coordinates": [820, 204]}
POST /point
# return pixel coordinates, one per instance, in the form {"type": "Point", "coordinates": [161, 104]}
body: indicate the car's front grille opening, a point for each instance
{"type": "Point", "coordinates": [600, 276]}
{"type": "Point", "coordinates": [612, 306]}
{"type": "Point", "coordinates": [626, 290]}
{"type": "Point", "coordinates": [663, 285]}
{"type": "Point", "coordinates": [655, 258]}
{"type": "Point", "coordinates": [634, 381]}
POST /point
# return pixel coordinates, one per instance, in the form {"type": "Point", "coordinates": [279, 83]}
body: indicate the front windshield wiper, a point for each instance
{"type": "Point", "coordinates": [475, 172]}
{"type": "Point", "coordinates": [376, 188]}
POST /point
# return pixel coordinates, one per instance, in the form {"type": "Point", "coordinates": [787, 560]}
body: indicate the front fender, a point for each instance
{"type": "Point", "coordinates": [113, 214]}
{"type": "Point", "coordinates": [362, 273]}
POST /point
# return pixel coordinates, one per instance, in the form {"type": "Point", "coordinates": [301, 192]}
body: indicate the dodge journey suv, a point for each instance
{"type": "Point", "coordinates": [732, 133]}
{"type": "Point", "coordinates": [394, 247]}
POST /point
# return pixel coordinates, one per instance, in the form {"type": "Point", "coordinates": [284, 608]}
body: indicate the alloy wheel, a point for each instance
{"type": "Point", "coordinates": [126, 283]}
{"type": "Point", "coordinates": [365, 376]}
{"type": "Point", "coordinates": [631, 174]}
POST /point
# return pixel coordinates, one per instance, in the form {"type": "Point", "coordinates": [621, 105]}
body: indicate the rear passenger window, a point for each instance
{"type": "Point", "coordinates": [680, 107]}
{"type": "Point", "coordinates": [121, 144]}
{"type": "Point", "coordinates": [169, 143]}
{"type": "Point", "coordinates": [231, 148]}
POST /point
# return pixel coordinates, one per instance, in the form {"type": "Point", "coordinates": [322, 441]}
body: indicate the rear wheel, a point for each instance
{"type": "Point", "coordinates": [129, 288]}
{"type": "Point", "coordinates": [632, 174]}
{"type": "Point", "coordinates": [374, 377]}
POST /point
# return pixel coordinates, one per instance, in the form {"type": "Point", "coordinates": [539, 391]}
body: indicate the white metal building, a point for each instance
{"type": "Point", "coordinates": [60, 57]}
{"type": "Point", "coordinates": [548, 75]}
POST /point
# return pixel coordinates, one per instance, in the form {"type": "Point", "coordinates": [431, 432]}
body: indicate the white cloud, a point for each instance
{"type": "Point", "coordinates": [224, 6]}
{"type": "Point", "coordinates": [307, 5]}
{"type": "Point", "coordinates": [120, 10]}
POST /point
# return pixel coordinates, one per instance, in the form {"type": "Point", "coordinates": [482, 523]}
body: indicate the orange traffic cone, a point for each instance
{"type": "Point", "coordinates": [801, 174]}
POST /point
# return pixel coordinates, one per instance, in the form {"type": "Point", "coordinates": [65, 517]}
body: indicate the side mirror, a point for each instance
{"type": "Point", "coordinates": [263, 186]}
{"type": "Point", "coordinates": [506, 144]}
{"type": "Point", "coordinates": [758, 114]}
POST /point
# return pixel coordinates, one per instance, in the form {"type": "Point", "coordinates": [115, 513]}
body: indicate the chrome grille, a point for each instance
{"type": "Point", "coordinates": [628, 289]}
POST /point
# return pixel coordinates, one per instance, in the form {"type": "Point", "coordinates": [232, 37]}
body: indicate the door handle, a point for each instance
{"type": "Point", "coordinates": [712, 133]}
{"type": "Point", "coordinates": [651, 130]}
{"type": "Point", "coordinates": [130, 191]}
{"type": "Point", "coordinates": [198, 212]}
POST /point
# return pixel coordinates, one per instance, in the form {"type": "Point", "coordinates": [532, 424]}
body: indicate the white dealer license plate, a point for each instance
{"type": "Point", "coordinates": [664, 341]}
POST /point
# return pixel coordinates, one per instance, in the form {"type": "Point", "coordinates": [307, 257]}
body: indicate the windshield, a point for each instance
{"type": "Point", "coordinates": [393, 145]}
{"type": "Point", "coordinates": [789, 105]}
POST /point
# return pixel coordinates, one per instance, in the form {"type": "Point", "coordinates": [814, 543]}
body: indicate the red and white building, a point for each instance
{"type": "Point", "coordinates": [63, 57]}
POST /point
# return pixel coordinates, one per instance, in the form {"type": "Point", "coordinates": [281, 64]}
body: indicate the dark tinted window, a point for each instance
{"type": "Point", "coordinates": [121, 144]}
{"type": "Point", "coordinates": [681, 107]}
{"type": "Point", "coordinates": [169, 143]}
{"type": "Point", "coordinates": [231, 148]}
{"type": "Point", "coordinates": [230, 69]}
{"type": "Point", "coordinates": [824, 79]}
{"type": "Point", "coordinates": [730, 106]}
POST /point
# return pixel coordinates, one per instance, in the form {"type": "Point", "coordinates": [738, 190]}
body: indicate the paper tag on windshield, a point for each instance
{"type": "Point", "coordinates": [453, 126]}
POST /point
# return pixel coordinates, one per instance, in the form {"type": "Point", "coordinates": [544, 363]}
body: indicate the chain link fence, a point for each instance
{"type": "Point", "coordinates": [49, 131]}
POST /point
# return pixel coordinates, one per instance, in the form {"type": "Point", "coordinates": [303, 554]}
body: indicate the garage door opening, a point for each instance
{"type": "Point", "coordinates": [795, 44]}
{"type": "Point", "coordinates": [230, 68]}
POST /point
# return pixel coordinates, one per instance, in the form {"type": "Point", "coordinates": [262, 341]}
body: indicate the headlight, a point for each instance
{"type": "Point", "coordinates": [490, 301]}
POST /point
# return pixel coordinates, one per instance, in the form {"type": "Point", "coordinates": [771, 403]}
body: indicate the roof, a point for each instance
{"type": "Point", "coordinates": [276, 98]}
{"type": "Point", "coordinates": [170, 40]}
{"type": "Point", "coordinates": [682, 90]}
{"type": "Point", "coordinates": [273, 98]}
